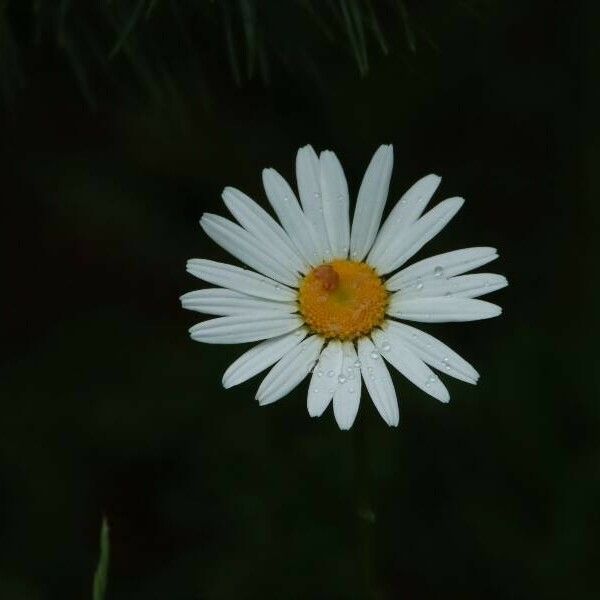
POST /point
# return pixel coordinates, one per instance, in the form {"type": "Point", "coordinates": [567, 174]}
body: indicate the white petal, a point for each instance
{"type": "Point", "coordinates": [247, 248]}
{"type": "Point", "coordinates": [450, 264]}
{"type": "Point", "coordinates": [407, 210]}
{"type": "Point", "coordinates": [464, 286]}
{"type": "Point", "coordinates": [294, 221]}
{"type": "Point", "coordinates": [334, 189]}
{"type": "Point", "coordinates": [434, 352]}
{"type": "Point", "coordinates": [378, 381]}
{"type": "Point", "coordinates": [441, 310]}
{"type": "Point", "coordinates": [290, 370]}
{"type": "Point", "coordinates": [264, 227]}
{"type": "Point", "coordinates": [395, 351]}
{"type": "Point", "coordinates": [347, 396]}
{"type": "Point", "coordinates": [220, 301]}
{"type": "Point", "coordinates": [308, 175]}
{"type": "Point", "coordinates": [372, 196]}
{"type": "Point", "coordinates": [324, 379]}
{"type": "Point", "coordinates": [239, 329]}
{"type": "Point", "coordinates": [417, 235]}
{"type": "Point", "coordinates": [261, 357]}
{"type": "Point", "coordinates": [242, 280]}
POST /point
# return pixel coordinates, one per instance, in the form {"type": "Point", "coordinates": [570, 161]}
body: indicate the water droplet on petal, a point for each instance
{"type": "Point", "coordinates": [374, 355]}
{"type": "Point", "coordinates": [330, 373]}
{"type": "Point", "coordinates": [357, 364]}
{"type": "Point", "coordinates": [351, 390]}
{"type": "Point", "coordinates": [385, 346]}
{"type": "Point", "coordinates": [319, 373]}
{"type": "Point", "coordinates": [419, 285]}
{"type": "Point", "coordinates": [438, 272]}
{"type": "Point", "coordinates": [342, 379]}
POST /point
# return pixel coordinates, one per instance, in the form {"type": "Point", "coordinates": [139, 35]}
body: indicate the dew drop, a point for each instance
{"type": "Point", "coordinates": [315, 391]}
{"type": "Point", "coordinates": [319, 373]}
{"type": "Point", "coordinates": [357, 364]}
{"type": "Point", "coordinates": [286, 199]}
{"type": "Point", "coordinates": [342, 379]}
{"type": "Point", "coordinates": [438, 272]}
{"type": "Point", "coordinates": [340, 197]}
{"type": "Point", "coordinates": [317, 195]}
{"type": "Point", "coordinates": [374, 355]}
{"type": "Point", "coordinates": [385, 346]}
{"type": "Point", "coordinates": [419, 285]}
{"type": "Point", "coordinates": [330, 373]}
{"type": "Point", "coordinates": [351, 390]}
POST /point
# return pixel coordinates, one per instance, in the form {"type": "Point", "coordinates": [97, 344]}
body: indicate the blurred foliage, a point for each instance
{"type": "Point", "coordinates": [109, 409]}
{"type": "Point", "coordinates": [115, 41]}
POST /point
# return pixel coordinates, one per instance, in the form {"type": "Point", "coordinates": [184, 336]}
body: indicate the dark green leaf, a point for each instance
{"type": "Point", "coordinates": [101, 574]}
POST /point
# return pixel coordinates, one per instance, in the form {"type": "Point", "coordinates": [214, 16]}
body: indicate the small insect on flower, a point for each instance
{"type": "Point", "coordinates": [330, 297]}
{"type": "Point", "coordinates": [328, 277]}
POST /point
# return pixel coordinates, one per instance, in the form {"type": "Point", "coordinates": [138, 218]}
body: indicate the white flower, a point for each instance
{"type": "Point", "coordinates": [322, 295]}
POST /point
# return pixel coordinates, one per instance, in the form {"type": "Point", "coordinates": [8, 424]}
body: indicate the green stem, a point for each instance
{"type": "Point", "coordinates": [365, 515]}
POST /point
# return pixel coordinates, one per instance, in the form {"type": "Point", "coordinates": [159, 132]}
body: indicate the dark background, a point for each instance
{"type": "Point", "coordinates": [118, 131]}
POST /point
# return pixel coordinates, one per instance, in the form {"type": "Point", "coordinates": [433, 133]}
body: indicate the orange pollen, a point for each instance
{"type": "Point", "coordinates": [342, 299]}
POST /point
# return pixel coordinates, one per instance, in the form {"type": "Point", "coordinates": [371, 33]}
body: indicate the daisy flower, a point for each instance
{"type": "Point", "coordinates": [327, 296]}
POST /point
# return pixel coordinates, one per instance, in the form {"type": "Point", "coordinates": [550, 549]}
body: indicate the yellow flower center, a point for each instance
{"type": "Point", "coordinates": [342, 299]}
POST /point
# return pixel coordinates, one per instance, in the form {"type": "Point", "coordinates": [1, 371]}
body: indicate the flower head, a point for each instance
{"type": "Point", "coordinates": [326, 296]}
